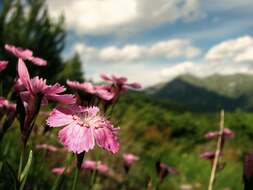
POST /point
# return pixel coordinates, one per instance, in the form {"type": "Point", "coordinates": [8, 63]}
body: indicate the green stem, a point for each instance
{"type": "Point", "coordinates": [20, 163]}
{"type": "Point", "coordinates": [76, 175]}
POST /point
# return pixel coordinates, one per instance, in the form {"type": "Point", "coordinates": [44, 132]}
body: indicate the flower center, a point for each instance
{"type": "Point", "coordinates": [85, 120]}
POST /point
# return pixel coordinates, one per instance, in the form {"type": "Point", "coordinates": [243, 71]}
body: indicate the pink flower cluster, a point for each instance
{"type": "Point", "coordinates": [81, 116]}
{"type": "Point", "coordinates": [210, 155]}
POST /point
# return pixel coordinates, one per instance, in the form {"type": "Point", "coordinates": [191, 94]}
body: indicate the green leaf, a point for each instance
{"type": "Point", "coordinates": [27, 167]}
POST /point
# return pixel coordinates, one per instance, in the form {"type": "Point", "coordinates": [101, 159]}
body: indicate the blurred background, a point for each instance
{"type": "Point", "coordinates": [192, 57]}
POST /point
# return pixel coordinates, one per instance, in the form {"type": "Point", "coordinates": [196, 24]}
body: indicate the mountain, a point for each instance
{"type": "Point", "coordinates": [212, 93]}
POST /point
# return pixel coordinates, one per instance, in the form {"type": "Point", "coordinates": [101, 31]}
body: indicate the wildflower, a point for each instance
{"type": "Point", "coordinates": [31, 88]}
{"type": "Point", "coordinates": [89, 88]}
{"type": "Point", "coordinates": [164, 170]}
{"type": "Point", "coordinates": [25, 54]}
{"type": "Point", "coordinates": [95, 165]}
{"type": "Point", "coordinates": [32, 93]}
{"type": "Point", "coordinates": [119, 84]}
{"type": "Point", "coordinates": [248, 172]}
{"type": "Point", "coordinates": [3, 65]}
{"type": "Point", "coordinates": [9, 109]}
{"type": "Point", "coordinates": [7, 106]}
{"type": "Point", "coordinates": [58, 170]}
{"type": "Point", "coordinates": [209, 155]}
{"type": "Point", "coordinates": [129, 160]}
{"type": "Point", "coordinates": [83, 126]}
{"type": "Point", "coordinates": [47, 147]}
{"type": "Point", "coordinates": [227, 133]}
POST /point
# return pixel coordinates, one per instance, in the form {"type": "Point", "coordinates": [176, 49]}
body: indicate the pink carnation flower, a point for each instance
{"type": "Point", "coordinates": [120, 82]}
{"type": "Point", "coordinates": [164, 170]}
{"type": "Point", "coordinates": [87, 87]}
{"type": "Point", "coordinates": [130, 159]}
{"type": "Point", "coordinates": [215, 134]}
{"type": "Point", "coordinates": [6, 105]}
{"type": "Point", "coordinates": [209, 155]}
{"type": "Point", "coordinates": [93, 165]}
{"type": "Point", "coordinates": [59, 170]}
{"type": "Point", "coordinates": [25, 54]}
{"type": "Point", "coordinates": [31, 88]}
{"type": "Point", "coordinates": [83, 127]}
{"type": "Point", "coordinates": [47, 147]}
{"type": "Point", "coordinates": [118, 85]}
{"type": "Point", "coordinates": [3, 65]}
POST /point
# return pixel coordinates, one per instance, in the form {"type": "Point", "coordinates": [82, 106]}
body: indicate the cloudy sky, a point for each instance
{"type": "Point", "coordinates": [154, 41]}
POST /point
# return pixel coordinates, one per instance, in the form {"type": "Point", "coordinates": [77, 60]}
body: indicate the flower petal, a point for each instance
{"type": "Point", "coordinates": [77, 138]}
{"type": "Point", "coordinates": [3, 65]}
{"type": "Point", "coordinates": [38, 61]}
{"type": "Point", "coordinates": [60, 117]}
{"type": "Point", "coordinates": [24, 75]}
{"type": "Point", "coordinates": [65, 98]}
{"type": "Point", "coordinates": [106, 138]}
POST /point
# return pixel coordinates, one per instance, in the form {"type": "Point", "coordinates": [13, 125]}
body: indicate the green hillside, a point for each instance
{"type": "Point", "coordinates": [208, 94]}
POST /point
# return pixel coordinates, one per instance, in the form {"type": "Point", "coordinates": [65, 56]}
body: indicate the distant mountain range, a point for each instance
{"type": "Point", "coordinates": [212, 93]}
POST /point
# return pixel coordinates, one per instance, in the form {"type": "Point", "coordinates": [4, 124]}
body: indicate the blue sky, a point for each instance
{"type": "Point", "coordinates": [154, 41]}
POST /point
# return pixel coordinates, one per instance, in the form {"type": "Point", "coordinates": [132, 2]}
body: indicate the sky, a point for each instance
{"type": "Point", "coordinates": [155, 41]}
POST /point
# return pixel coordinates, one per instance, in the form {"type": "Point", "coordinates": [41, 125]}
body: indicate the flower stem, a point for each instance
{"type": "Point", "coordinates": [76, 175]}
{"type": "Point", "coordinates": [217, 152]}
{"type": "Point", "coordinates": [20, 163]}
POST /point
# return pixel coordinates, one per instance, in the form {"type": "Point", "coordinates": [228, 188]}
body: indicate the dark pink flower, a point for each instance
{"type": "Point", "coordinates": [120, 82]}
{"type": "Point", "coordinates": [6, 105]}
{"type": "Point", "coordinates": [3, 65]}
{"type": "Point", "coordinates": [130, 159]}
{"type": "Point", "coordinates": [227, 133]}
{"type": "Point", "coordinates": [118, 85]}
{"type": "Point", "coordinates": [31, 88]}
{"type": "Point", "coordinates": [83, 127]}
{"type": "Point", "coordinates": [25, 54]}
{"type": "Point", "coordinates": [89, 88]}
{"type": "Point", "coordinates": [209, 155]}
{"type": "Point", "coordinates": [248, 171]}
{"type": "Point", "coordinates": [47, 147]}
{"type": "Point", "coordinates": [95, 165]}
{"type": "Point", "coordinates": [59, 170]}
{"type": "Point", "coordinates": [164, 170]}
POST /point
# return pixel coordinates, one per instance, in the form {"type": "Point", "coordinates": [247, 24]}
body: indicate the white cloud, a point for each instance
{"type": "Point", "coordinates": [176, 70]}
{"type": "Point", "coordinates": [103, 16]}
{"type": "Point", "coordinates": [127, 53]}
{"type": "Point", "coordinates": [228, 57]}
{"type": "Point", "coordinates": [172, 48]}
{"type": "Point", "coordinates": [234, 50]}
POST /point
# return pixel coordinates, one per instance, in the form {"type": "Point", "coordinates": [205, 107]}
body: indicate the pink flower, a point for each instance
{"type": "Point", "coordinates": [83, 127]}
{"type": "Point", "coordinates": [164, 170]}
{"type": "Point", "coordinates": [93, 165]}
{"type": "Point", "coordinates": [130, 159]}
{"type": "Point", "coordinates": [89, 165]}
{"type": "Point", "coordinates": [118, 85]}
{"type": "Point", "coordinates": [25, 54]}
{"type": "Point", "coordinates": [31, 88]}
{"type": "Point", "coordinates": [209, 155]}
{"type": "Point", "coordinates": [120, 82]}
{"type": "Point", "coordinates": [59, 170]}
{"type": "Point", "coordinates": [3, 65]}
{"type": "Point", "coordinates": [102, 168]}
{"type": "Point", "coordinates": [48, 147]}
{"type": "Point", "coordinates": [215, 134]}
{"type": "Point", "coordinates": [6, 105]}
{"type": "Point", "coordinates": [87, 87]}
